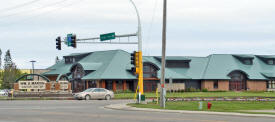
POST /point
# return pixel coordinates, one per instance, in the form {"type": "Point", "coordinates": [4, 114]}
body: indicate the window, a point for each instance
{"type": "Point", "coordinates": [149, 71]}
{"type": "Point", "coordinates": [78, 72]}
{"type": "Point", "coordinates": [237, 76]}
{"type": "Point", "coordinates": [271, 84]}
{"type": "Point", "coordinates": [270, 62]}
{"type": "Point", "coordinates": [247, 61]}
{"type": "Point", "coordinates": [177, 63]}
{"type": "Point", "coordinates": [216, 84]}
{"type": "Point", "coordinates": [102, 90]}
{"type": "Point", "coordinates": [69, 60]}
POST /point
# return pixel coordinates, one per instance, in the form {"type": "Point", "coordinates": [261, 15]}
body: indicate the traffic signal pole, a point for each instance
{"type": "Point", "coordinates": [140, 74]}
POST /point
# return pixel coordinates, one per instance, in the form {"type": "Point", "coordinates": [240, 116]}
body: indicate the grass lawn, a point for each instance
{"type": "Point", "coordinates": [218, 106]}
{"type": "Point", "coordinates": [3, 97]}
{"type": "Point", "coordinates": [200, 94]}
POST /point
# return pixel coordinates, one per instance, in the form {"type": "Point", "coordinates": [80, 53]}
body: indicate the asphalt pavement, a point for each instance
{"type": "Point", "coordinates": [94, 111]}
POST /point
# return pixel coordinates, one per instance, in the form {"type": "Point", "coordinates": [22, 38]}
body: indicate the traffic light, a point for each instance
{"type": "Point", "coordinates": [135, 62]}
{"type": "Point", "coordinates": [58, 43]}
{"type": "Point", "coordinates": [73, 38]}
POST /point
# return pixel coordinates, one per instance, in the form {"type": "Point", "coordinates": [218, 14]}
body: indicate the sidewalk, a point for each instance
{"type": "Point", "coordinates": [124, 106]}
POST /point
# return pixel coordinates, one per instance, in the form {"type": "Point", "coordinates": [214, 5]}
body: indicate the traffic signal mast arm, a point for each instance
{"type": "Point", "coordinates": [93, 40]}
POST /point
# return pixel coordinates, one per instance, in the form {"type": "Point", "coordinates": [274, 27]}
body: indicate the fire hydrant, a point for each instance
{"type": "Point", "coordinates": [209, 105]}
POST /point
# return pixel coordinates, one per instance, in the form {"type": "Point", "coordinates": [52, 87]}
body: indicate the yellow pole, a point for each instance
{"type": "Point", "coordinates": [140, 75]}
{"type": "Point", "coordinates": [157, 96]}
{"type": "Point", "coordinates": [135, 97]}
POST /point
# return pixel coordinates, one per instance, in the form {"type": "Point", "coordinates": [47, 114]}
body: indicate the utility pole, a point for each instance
{"type": "Point", "coordinates": [163, 60]}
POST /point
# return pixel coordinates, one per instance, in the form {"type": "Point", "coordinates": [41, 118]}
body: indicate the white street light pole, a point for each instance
{"type": "Point", "coordinates": [139, 28]}
{"type": "Point", "coordinates": [140, 74]}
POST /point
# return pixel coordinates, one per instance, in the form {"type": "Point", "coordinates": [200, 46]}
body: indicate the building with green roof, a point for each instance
{"type": "Point", "coordinates": [112, 70]}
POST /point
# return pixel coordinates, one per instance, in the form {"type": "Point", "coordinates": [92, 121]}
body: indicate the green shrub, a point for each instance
{"type": "Point", "coordinates": [121, 91]}
{"type": "Point", "coordinates": [204, 90]}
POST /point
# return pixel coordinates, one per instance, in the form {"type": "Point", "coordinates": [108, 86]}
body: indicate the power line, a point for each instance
{"type": "Point", "coordinates": [50, 11]}
{"type": "Point", "coordinates": [19, 6]}
{"type": "Point", "coordinates": [151, 23]}
{"type": "Point", "coordinates": [33, 10]}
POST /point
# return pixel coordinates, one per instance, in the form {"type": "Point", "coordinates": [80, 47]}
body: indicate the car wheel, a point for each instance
{"type": "Point", "coordinates": [87, 97]}
{"type": "Point", "coordinates": [108, 97]}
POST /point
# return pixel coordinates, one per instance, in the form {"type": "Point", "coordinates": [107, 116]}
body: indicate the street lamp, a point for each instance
{"type": "Point", "coordinates": [140, 74]}
{"type": "Point", "coordinates": [139, 27]}
{"type": "Point", "coordinates": [33, 61]}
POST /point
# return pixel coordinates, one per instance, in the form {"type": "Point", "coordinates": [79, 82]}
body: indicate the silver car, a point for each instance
{"type": "Point", "coordinates": [4, 92]}
{"type": "Point", "coordinates": [94, 93]}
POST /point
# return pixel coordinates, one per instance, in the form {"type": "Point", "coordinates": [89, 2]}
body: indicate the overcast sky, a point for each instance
{"type": "Point", "coordinates": [195, 27]}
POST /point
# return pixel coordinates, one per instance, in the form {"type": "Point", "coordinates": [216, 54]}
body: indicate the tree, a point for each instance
{"type": "Point", "coordinates": [0, 58]}
{"type": "Point", "coordinates": [10, 72]}
{"type": "Point", "coordinates": [7, 60]}
{"type": "Point", "coordinates": [57, 59]}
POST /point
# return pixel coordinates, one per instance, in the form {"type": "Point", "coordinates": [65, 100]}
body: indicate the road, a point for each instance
{"type": "Point", "coordinates": [94, 111]}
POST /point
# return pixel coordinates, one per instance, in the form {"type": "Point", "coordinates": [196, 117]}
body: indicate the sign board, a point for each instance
{"type": "Point", "coordinates": [108, 36]}
{"type": "Point", "coordinates": [64, 84]}
{"type": "Point", "coordinates": [32, 84]}
{"type": "Point", "coordinates": [69, 39]}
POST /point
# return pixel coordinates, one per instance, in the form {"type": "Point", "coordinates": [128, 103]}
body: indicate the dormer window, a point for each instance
{"type": "Point", "coordinates": [69, 60]}
{"type": "Point", "coordinates": [177, 64]}
{"type": "Point", "coordinates": [149, 70]}
{"type": "Point", "coordinates": [245, 59]}
{"type": "Point", "coordinates": [270, 60]}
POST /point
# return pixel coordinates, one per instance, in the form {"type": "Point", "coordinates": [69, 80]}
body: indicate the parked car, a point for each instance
{"type": "Point", "coordinates": [4, 92]}
{"type": "Point", "coordinates": [94, 93]}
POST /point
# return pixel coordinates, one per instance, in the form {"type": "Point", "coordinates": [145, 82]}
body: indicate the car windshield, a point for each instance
{"type": "Point", "coordinates": [88, 90]}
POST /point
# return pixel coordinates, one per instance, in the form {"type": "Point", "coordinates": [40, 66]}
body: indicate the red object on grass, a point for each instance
{"type": "Point", "coordinates": [209, 105]}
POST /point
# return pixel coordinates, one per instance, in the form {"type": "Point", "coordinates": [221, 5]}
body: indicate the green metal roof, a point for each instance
{"type": "Point", "coordinates": [115, 64]}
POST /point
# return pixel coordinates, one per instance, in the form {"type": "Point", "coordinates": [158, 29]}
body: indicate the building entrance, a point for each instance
{"type": "Point", "coordinates": [237, 81]}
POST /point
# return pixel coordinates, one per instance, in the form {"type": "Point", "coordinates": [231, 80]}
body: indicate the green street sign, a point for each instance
{"type": "Point", "coordinates": [108, 36]}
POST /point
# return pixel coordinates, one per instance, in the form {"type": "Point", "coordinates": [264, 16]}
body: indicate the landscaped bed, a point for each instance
{"type": "Point", "coordinates": [199, 94]}
{"type": "Point", "coordinates": [217, 106]}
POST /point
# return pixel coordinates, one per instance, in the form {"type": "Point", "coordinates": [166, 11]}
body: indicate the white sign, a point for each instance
{"type": "Point", "coordinates": [32, 84]}
{"type": "Point", "coordinates": [64, 84]}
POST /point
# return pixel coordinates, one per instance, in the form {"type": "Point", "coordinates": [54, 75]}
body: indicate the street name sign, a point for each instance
{"type": "Point", "coordinates": [108, 36]}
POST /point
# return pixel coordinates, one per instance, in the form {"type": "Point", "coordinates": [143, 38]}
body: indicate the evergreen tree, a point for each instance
{"type": "Point", "coordinates": [10, 73]}
{"type": "Point", "coordinates": [7, 60]}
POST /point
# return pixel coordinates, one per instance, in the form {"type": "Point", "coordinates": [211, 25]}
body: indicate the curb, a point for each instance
{"type": "Point", "coordinates": [125, 107]}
